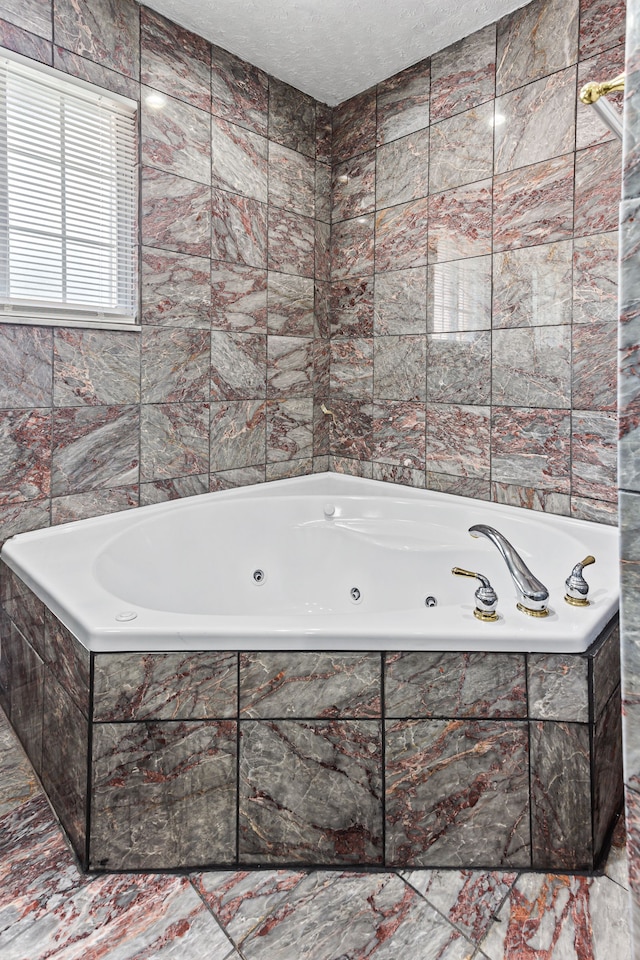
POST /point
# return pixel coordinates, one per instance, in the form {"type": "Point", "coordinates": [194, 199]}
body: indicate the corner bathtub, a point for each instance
{"type": "Point", "coordinates": [183, 712]}
{"type": "Point", "coordinates": [278, 565]}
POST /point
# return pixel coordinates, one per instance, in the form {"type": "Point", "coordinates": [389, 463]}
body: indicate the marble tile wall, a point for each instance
{"type": "Point", "coordinates": [219, 387]}
{"type": "Point", "coordinates": [474, 274]}
{"type": "Point", "coordinates": [629, 474]}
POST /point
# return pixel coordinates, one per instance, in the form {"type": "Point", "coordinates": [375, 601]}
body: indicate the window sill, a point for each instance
{"type": "Point", "coordinates": [17, 320]}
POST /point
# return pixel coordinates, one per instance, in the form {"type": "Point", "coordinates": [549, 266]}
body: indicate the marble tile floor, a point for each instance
{"type": "Point", "coordinates": [50, 909]}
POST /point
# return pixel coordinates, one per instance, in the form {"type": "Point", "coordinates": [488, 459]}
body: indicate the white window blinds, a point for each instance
{"type": "Point", "coordinates": [68, 199]}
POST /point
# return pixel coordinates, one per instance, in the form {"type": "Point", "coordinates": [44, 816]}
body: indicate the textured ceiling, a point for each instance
{"type": "Point", "coordinates": [333, 49]}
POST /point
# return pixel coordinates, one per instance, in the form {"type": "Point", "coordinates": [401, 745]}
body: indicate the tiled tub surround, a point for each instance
{"type": "Point", "coordinates": [474, 273]}
{"type": "Point", "coordinates": [183, 759]}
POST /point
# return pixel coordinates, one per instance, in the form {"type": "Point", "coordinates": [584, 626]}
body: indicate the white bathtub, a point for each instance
{"type": "Point", "coordinates": [182, 575]}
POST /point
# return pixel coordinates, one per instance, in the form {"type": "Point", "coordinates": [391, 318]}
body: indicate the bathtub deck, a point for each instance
{"type": "Point", "coordinates": [49, 908]}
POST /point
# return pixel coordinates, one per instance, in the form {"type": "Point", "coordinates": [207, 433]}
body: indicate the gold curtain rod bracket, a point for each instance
{"type": "Point", "coordinates": [593, 91]}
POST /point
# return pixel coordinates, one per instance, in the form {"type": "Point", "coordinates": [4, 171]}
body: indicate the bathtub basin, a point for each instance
{"type": "Point", "coordinates": [323, 562]}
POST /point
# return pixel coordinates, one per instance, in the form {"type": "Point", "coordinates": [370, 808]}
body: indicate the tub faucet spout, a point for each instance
{"type": "Point", "coordinates": [533, 595]}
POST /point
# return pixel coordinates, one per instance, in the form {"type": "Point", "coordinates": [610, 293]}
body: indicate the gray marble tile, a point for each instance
{"type": "Point", "coordinates": [105, 31]}
{"type": "Point", "coordinates": [95, 367]}
{"type": "Point", "coordinates": [290, 366]}
{"type": "Point", "coordinates": [323, 192]}
{"type": "Point", "coordinates": [561, 796]}
{"type": "Point", "coordinates": [536, 122]}
{"type": "Point", "coordinates": [534, 204]}
{"type": "Point", "coordinates": [132, 763]}
{"type": "Point", "coordinates": [68, 661]}
{"type": "Point", "coordinates": [401, 236]}
{"type": "Point", "coordinates": [238, 434]}
{"type": "Point", "coordinates": [535, 41]}
{"type": "Point", "coordinates": [459, 367]}
{"type": "Point", "coordinates": [594, 437]}
{"type": "Point", "coordinates": [94, 447]}
{"type": "Point", "coordinates": [238, 298]}
{"type": "Point", "coordinates": [398, 429]}
{"type": "Point", "coordinates": [24, 609]}
{"type": "Point", "coordinates": [310, 790]}
{"type": "Point", "coordinates": [101, 76]}
{"type": "Point", "coordinates": [460, 222]}
{"type": "Point", "coordinates": [608, 778]}
{"type": "Point", "coordinates": [239, 91]}
{"type": "Point", "coordinates": [310, 685]}
{"type": "Point", "coordinates": [352, 248]}
{"type": "Point", "coordinates": [94, 503]}
{"type": "Point", "coordinates": [26, 366]}
{"type": "Point", "coordinates": [597, 188]}
{"type": "Point", "coordinates": [531, 447]}
{"type": "Point", "coordinates": [289, 429]}
{"type": "Point", "coordinates": [292, 180]}
{"type": "Point", "coordinates": [241, 900]}
{"type": "Point", "coordinates": [238, 366]}
{"type": "Point", "coordinates": [353, 186]}
{"type": "Point", "coordinates": [175, 365]}
{"type": "Point", "coordinates": [354, 126]}
{"type": "Point", "coordinates": [290, 304]}
{"type": "Point", "coordinates": [547, 501]}
{"type": "Point", "coordinates": [602, 25]}
{"type": "Point", "coordinates": [351, 374]}
{"type": "Point", "coordinates": [174, 60]}
{"type": "Point", "coordinates": [165, 686]}
{"type": "Point", "coordinates": [32, 15]}
{"type": "Point", "coordinates": [594, 368]}
{"type": "Point", "coordinates": [324, 132]}
{"type": "Point", "coordinates": [459, 295]}
{"type": "Point", "coordinates": [531, 367]}
{"type": "Point", "coordinates": [352, 468]}
{"type": "Point", "coordinates": [321, 319]}
{"type": "Point", "coordinates": [65, 762]}
{"type": "Point", "coordinates": [481, 685]}
{"type": "Point", "coordinates": [472, 773]}
{"type": "Point", "coordinates": [400, 368]}
{"type": "Point", "coordinates": [292, 117]}
{"type": "Point", "coordinates": [462, 149]}
{"type": "Point", "coordinates": [241, 477]}
{"type": "Point", "coordinates": [568, 917]}
{"type": "Point", "coordinates": [629, 384]}
{"type": "Point", "coordinates": [322, 254]}
{"type": "Point", "coordinates": [25, 455]}
{"type": "Point", "coordinates": [354, 915]}
{"type": "Point", "coordinates": [463, 75]}
{"type": "Point", "coordinates": [352, 307]}
{"type": "Point", "coordinates": [590, 129]}
{"type": "Point", "coordinates": [459, 440]}
{"type": "Point", "coordinates": [17, 517]}
{"type": "Point", "coordinates": [238, 229]}
{"type": "Point", "coordinates": [176, 289]}
{"type": "Point", "coordinates": [176, 137]}
{"type": "Point", "coordinates": [532, 286]}
{"type": "Point", "coordinates": [176, 213]}
{"type": "Point", "coordinates": [469, 899]}
{"type": "Point", "coordinates": [351, 437]}
{"type": "Point", "coordinates": [606, 668]}
{"type": "Point", "coordinates": [292, 243]}
{"type": "Point", "coordinates": [558, 687]}
{"type": "Point", "coordinates": [23, 681]}
{"type": "Point", "coordinates": [403, 103]}
{"type": "Point", "coordinates": [400, 302]}
{"type": "Point", "coordinates": [159, 491]}
{"type": "Point", "coordinates": [27, 44]}
{"type": "Point", "coordinates": [174, 440]}
{"type": "Point", "coordinates": [239, 160]}
{"type": "Point", "coordinates": [285, 469]}
{"type": "Point", "coordinates": [393, 473]}
{"type": "Point", "coordinates": [595, 278]}
{"type": "Point", "coordinates": [402, 169]}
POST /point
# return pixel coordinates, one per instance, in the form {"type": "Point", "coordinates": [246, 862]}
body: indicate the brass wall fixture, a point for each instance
{"type": "Point", "coordinates": [329, 413]}
{"type": "Point", "coordinates": [594, 94]}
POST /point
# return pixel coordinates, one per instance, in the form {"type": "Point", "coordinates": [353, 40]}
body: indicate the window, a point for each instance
{"type": "Point", "coordinates": [68, 200]}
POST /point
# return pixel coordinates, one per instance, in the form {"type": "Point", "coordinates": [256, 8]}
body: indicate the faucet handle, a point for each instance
{"type": "Point", "coordinates": [576, 586]}
{"type": "Point", "coordinates": [486, 597]}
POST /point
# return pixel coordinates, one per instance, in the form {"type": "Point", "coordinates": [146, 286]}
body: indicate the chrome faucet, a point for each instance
{"type": "Point", "coordinates": [533, 594]}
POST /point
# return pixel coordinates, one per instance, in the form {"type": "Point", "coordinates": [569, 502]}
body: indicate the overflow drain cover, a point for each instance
{"type": "Point", "coordinates": [126, 615]}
